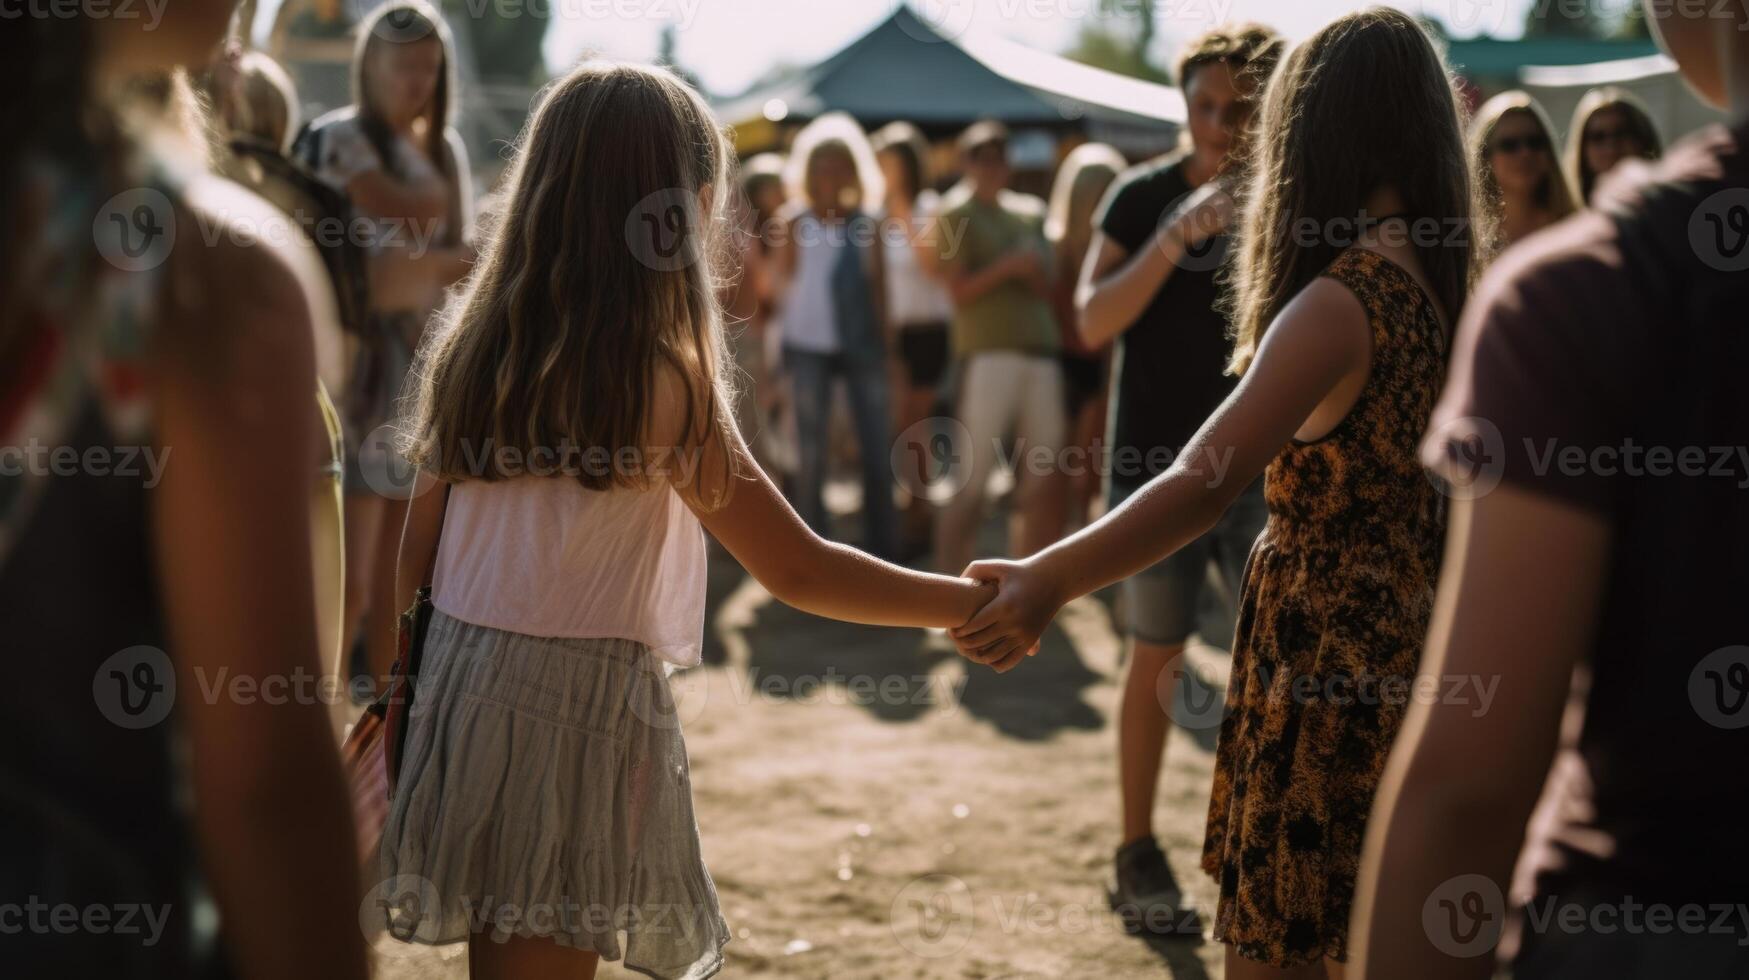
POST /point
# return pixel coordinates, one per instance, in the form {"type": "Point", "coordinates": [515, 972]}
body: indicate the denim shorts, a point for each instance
{"type": "Point", "coordinates": [1160, 603]}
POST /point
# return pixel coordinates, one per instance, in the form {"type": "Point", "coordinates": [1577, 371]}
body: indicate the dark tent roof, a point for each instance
{"type": "Point", "coordinates": [907, 69]}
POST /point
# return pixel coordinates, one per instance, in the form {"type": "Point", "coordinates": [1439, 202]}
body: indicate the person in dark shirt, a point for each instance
{"type": "Point", "coordinates": [1595, 436]}
{"type": "Point", "coordinates": [1149, 282]}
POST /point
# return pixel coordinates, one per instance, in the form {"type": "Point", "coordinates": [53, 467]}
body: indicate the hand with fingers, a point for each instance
{"type": "Point", "coordinates": [1008, 628]}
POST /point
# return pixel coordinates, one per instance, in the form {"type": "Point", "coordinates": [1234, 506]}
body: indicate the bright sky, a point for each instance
{"type": "Point", "coordinates": [729, 44]}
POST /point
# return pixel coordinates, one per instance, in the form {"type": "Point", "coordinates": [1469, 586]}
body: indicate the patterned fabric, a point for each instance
{"type": "Point", "coordinates": [1336, 599]}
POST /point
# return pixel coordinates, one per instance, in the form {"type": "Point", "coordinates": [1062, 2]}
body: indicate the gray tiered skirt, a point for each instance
{"type": "Point", "coordinates": [545, 793]}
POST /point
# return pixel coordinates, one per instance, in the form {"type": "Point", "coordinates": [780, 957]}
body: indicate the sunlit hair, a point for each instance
{"type": "Point", "coordinates": [1236, 45]}
{"type": "Point", "coordinates": [404, 22]}
{"type": "Point", "coordinates": [906, 143]}
{"type": "Point", "coordinates": [1363, 104]}
{"type": "Point", "coordinates": [1634, 116]}
{"type": "Point", "coordinates": [1082, 179]}
{"type": "Point", "coordinates": [757, 173]}
{"type": "Point", "coordinates": [266, 107]}
{"type": "Point", "coordinates": [1552, 195]}
{"type": "Point", "coordinates": [835, 132]}
{"type": "Point", "coordinates": [558, 336]}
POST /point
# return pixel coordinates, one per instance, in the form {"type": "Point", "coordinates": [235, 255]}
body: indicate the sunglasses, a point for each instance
{"type": "Point", "coordinates": [1534, 143]}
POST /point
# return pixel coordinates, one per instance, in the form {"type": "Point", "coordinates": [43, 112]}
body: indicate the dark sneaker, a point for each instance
{"type": "Point", "coordinates": [1146, 896]}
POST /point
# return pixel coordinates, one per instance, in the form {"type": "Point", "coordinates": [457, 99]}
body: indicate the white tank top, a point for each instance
{"type": "Point", "coordinates": [543, 556]}
{"type": "Point", "coordinates": [809, 321]}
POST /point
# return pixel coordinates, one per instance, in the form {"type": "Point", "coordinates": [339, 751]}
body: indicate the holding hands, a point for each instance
{"type": "Point", "coordinates": [1008, 627]}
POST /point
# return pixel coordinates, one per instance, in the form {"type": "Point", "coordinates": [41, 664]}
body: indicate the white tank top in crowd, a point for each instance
{"type": "Point", "coordinates": [913, 299]}
{"type": "Point", "coordinates": [805, 311]}
{"type": "Point", "coordinates": [543, 556]}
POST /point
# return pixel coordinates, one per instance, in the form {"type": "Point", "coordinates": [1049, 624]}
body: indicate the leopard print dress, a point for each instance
{"type": "Point", "coordinates": [1332, 615]}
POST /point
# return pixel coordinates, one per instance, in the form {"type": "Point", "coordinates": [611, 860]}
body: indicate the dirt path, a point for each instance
{"type": "Point", "coordinates": [869, 808]}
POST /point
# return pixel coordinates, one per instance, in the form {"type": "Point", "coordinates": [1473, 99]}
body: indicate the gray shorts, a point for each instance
{"type": "Point", "coordinates": [1160, 604]}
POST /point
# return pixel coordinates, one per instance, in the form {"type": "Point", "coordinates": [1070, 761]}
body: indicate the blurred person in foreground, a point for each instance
{"type": "Point", "coordinates": [1593, 434]}
{"type": "Point", "coordinates": [156, 591]}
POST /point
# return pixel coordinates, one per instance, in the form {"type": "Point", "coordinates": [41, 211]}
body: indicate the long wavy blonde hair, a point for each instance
{"type": "Point", "coordinates": [600, 272]}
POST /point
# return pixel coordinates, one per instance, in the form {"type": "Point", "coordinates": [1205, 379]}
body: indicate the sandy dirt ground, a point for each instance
{"type": "Point", "coordinates": [871, 808]}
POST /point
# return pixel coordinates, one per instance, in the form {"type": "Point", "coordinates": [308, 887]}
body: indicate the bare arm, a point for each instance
{"type": "Point", "coordinates": [1317, 343]}
{"type": "Point", "coordinates": [1518, 597]}
{"type": "Point", "coordinates": [802, 569]}
{"type": "Point", "coordinates": [234, 383]}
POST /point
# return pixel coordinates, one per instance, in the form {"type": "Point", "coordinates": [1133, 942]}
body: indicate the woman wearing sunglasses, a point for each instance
{"type": "Point", "coordinates": [1521, 184]}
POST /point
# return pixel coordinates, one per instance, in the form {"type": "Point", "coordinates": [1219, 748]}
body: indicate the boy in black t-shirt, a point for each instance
{"type": "Point", "coordinates": [1150, 283]}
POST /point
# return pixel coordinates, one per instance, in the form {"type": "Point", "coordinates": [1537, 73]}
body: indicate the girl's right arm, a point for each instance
{"type": "Point", "coordinates": [758, 526]}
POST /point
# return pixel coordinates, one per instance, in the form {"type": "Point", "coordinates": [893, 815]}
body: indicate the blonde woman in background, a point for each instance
{"type": "Point", "coordinates": [828, 274]}
{"type": "Point", "coordinates": [1522, 188]}
{"type": "Point", "coordinates": [1609, 125]}
{"type": "Point", "coordinates": [1082, 180]}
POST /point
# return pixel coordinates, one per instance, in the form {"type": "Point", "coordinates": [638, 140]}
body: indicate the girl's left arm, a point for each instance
{"type": "Point", "coordinates": [758, 526]}
{"type": "Point", "coordinates": [1319, 340]}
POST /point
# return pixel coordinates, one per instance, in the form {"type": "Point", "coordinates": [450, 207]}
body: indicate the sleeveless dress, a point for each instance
{"type": "Point", "coordinates": [94, 792]}
{"type": "Point", "coordinates": [545, 791]}
{"type": "Point", "coordinates": [1336, 596]}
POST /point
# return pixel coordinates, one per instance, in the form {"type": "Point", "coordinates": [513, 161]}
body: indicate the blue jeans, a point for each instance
{"type": "Point", "coordinates": [811, 375]}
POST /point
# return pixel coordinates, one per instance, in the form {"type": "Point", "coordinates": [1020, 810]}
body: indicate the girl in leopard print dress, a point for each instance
{"type": "Point", "coordinates": [1353, 258]}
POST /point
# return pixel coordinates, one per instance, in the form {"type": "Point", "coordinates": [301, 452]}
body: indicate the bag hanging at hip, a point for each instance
{"type": "Point", "coordinates": [374, 748]}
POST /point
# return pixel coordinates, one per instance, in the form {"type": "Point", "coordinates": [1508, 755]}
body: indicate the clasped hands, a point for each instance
{"type": "Point", "coordinates": [1007, 629]}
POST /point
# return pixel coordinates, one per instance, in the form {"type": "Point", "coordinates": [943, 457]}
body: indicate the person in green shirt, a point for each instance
{"type": "Point", "coordinates": [996, 262]}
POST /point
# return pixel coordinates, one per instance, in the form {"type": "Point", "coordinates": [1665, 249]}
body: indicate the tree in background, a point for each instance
{"type": "Point", "coordinates": [1586, 19]}
{"type": "Point", "coordinates": [506, 46]}
{"type": "Point", "coordinates": [1125, 47]}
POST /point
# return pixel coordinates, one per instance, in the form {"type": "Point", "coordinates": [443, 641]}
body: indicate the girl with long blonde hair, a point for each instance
{"type": "Point", "coordinates": [1521, 185]}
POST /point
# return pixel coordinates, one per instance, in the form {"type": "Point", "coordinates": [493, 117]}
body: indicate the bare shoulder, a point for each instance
{"type": "Point", "coordinates": [1326, 313]}
{"type": "Point", "coordinates": [245, 281]}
